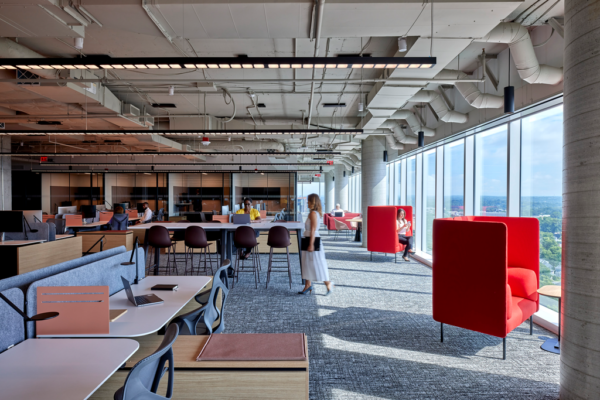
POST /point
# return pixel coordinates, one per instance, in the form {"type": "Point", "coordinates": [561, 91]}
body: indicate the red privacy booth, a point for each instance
{"type": "Point", "coordinates": [328, 220]}
{"type": "Point", "coordinates": [382, 235]}
{"type": "Point", "coordinates": [485, 273]}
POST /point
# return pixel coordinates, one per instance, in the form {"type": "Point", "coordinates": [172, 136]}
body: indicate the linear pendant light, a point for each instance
{"type": "Point", "coordinates": [229, 63]}
{"type": "Point", "coordinates": [186, 132]}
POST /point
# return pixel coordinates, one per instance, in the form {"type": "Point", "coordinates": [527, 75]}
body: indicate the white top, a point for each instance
{"type": "Point", "coordinates": [307, 226]}
{"type": "Point", "coordinates": [140, 321]}
{"type": "Point", "coordinates": [67, 369]}
{"type": "Point", "coordinates": [401, 227]}
{"type": "Point", "coordinates": [147, 215]}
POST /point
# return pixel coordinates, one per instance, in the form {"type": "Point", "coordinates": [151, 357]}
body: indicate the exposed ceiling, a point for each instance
{"type": "Point", "coordinates": [205, 28]}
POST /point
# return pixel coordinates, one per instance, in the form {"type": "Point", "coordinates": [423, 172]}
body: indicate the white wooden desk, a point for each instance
{"type": "Point", "coordinates": [20, 242]}
{"type": "Point", "coordinates": [226, 229]}
{"type": "Point", "coordinates": [61, 369]}
{"type": "Point", "coordinates": [140, 321]}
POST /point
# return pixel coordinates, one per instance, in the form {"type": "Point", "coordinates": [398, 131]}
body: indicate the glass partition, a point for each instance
{"type": "Point", "coordinates": [454, 179]}
{"type": "Point", "coordinates": [272, 192]}
{"type": "Point", "coordinates": [71, 189]}
{"type": "Point", "coordinates": [428, 199]}
{"type": "Point", "coordinates": [491, 150]}
{"type": "Point", "coordinates": [137, 187]}
{"type": "Point", "coordinates": [541, 189]}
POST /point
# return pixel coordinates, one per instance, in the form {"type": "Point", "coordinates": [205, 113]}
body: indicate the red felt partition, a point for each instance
{"type": "Point", "coordinates": [381, 228]}
{"type": "Point", "coordinates": [477, 290]}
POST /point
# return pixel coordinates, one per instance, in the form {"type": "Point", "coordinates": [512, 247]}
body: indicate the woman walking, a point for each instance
{"type": "Point", "coordinates": [314, 264]}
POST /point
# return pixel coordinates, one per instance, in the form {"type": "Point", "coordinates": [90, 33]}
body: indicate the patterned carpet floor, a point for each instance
{"type": "Point", "coordinates": [374, 337]}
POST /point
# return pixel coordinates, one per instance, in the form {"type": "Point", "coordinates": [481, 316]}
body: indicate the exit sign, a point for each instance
{"type": "Point", "coordinates": [317, 175]}
{"type": "Point", "coordinates": [330, 162]}
{"type": "Point", "coordinates": [43, 159]}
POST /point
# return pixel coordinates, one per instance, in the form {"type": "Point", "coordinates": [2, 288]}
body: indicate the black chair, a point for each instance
{"type": "Point", "coordinates": [245, 238]}
{"type": "Point", "coordinates": [207, 319]}
{"type": "Point", "coordinates": [279, 238]}
{"type": "Point", "coordinates": [159, 238]}
{"type": "Point", "coordinates": [143, 379]}
{"type": "Point", "coordinates": [195, 238]}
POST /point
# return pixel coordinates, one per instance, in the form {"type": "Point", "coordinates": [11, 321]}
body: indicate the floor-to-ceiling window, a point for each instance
{"type": "Point", "coordinates": [541, 189]}
{"type": "Point", "coordinates": [491, 149]}
{"type": "Point", "coordinates": [454, 178]}
{"type": "Point", "coordinates": [411, 182]}
{"type": "Point", "coordinates": [397, 182]}
{"type": "Point", "coordinates": [428, 206]}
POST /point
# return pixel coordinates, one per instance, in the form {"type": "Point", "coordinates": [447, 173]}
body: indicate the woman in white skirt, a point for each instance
{"type": "Point", "coordinates": [314, 264]}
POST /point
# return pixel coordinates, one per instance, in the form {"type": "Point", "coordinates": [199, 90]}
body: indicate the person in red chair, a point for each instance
{"type": "Point", "coordinates": [404, 233]}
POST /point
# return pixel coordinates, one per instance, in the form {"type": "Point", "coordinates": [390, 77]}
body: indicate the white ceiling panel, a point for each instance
{"type": "Point", "coordinates": [32, 20]}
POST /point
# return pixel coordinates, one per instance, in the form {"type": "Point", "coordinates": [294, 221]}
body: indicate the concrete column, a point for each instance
{"type": "Point", "coordinates": [580, 314]}
{"type": "Point", "coordinates": [329, 192]}
{"type": "Point", "coordinates": [5, 176]}
{"type": "Point", "coordinates": [341, 186]}
{"type": "Point", "coordinates": [373, 182]}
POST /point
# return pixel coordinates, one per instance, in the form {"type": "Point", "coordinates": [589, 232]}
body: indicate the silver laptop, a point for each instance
{"type": "Point", "coordinates": [241, 219]}
{"type": "Point", "coordinates": [140, 301]}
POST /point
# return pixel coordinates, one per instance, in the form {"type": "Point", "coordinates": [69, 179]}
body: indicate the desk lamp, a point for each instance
{"type": "Point", "coordinates": [131, 262]}
{"type": "Point", "coordinates": [30, 230]}
{"type": "Point", "coordinates": [38, 317]}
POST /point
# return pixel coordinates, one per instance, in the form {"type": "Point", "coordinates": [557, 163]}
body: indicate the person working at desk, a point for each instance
{"type": "Point", "coordinates": [147, 214]}
{"type": "Point", "coordinates": [337, 209]}
{"type": "Point", "coordinates": [119, 220]}
{"type": "Point", "coordinates": [254, 216]}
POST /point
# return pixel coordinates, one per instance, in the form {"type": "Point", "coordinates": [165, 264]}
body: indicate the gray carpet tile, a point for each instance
{"type": "Point", "coordinates": [374, 337]}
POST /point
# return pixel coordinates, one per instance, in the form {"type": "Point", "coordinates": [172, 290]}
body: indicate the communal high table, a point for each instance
{"type": "Point", "coordinates": [227, 230]}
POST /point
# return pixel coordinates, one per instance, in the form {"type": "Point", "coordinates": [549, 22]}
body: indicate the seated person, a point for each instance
{"type": "Point", "coordinates": [337, 210]}
{"type": "Point", "coordinates": [147, 217]}
{"type": "Point", "coordinates": [254, 216]}
{"type": "Point", "coordinates": [403, 226]}
{"type": "Point", "coordinates": [119, 220]}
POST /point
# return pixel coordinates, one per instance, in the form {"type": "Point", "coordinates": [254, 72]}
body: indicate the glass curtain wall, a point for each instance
{"type": "Point", "coordinates": [138, 187]}
{"type": "Point", "coordinates": [193, 193]}
{"type": "Point", "coordinates": [541, 189]}
{"type": "Point", "coordinates": [61, 189]}
{"type": "Point", "coordinates": [454, 179]}
{"type": "Point", "coordinates": [272, 192]}
{"type": "Point", "coordinates": [476, 164]}
{"type": "Point", "coordinates": [491, 149]}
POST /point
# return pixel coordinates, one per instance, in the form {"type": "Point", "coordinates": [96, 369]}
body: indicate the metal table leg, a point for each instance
{"type": "Point", "coordinates": [299, 237]}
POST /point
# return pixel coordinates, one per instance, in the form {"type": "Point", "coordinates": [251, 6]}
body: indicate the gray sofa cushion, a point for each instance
{"type": "Point", "coordinates": [12, 326]}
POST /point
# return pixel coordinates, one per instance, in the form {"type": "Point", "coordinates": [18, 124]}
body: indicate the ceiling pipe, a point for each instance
{"type": "Point", "coordinates": [320, 9]}
{"type": "Point", "coordinates": [518, 39]}
{"type": "Point", "coordinates": [393, 143]}
{"type": "Point", "coordinates": [439, 106]}
{"type": "Point", "coordinates": [10, 49]}
{"type": "Point", "coordinates": [413, 122]}
{"type": "Point", "coordinates": [246, 145]}
{"type": "Point", "coordinates": [470, 91]}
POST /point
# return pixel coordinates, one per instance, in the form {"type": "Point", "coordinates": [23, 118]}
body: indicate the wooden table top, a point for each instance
{"type": "Point", "coordinates": [187, 347]}
{"type": "Point", "coordinates": [550, 291]}
{"type": "Point", "coordinates": [64, 236]}
{"type": "Point", "coordinates": [355, 220]}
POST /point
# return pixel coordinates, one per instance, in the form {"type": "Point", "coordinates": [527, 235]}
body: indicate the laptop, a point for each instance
{"type": "Point", "coordinates": [241, 219]}
{"type": "Point", "coordinates": [140, 301]}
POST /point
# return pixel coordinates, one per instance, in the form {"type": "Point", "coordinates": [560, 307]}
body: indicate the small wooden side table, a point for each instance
{"type": "Point", "coordinates": [552, 345]}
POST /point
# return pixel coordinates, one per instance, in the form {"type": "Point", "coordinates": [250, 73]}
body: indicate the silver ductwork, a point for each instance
{"type": "Point", "coordinates": [439, 106]}
{"type": "Point", "coordinates": [412, 121]}
{"type": "Point", "coordinates": [522, 51]}
{"type": "Point", "coordinates": [470, 91]}
{"type": "Point", "coordinates": [244, 145]}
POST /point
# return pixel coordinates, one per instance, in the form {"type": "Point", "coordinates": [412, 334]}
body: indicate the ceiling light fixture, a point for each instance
{"type": "Point", "coordinates": [92, 62]}
{"type": "Point", "coordinates": [205, 141]}
{"type": "Point", "coordinates": [176, 133]}
{"type": "Point", "coordinates": [509, 93]}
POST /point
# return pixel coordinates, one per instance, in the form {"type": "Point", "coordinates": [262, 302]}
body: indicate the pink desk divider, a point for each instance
{"type": "Point", "coordinates": [82, 310]}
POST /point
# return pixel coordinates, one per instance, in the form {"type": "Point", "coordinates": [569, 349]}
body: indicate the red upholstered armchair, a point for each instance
{"type": "Point", "coordinates": [328, 220]}
{"type": "Point", "coordinates": [492, 289]}
{"type": "Point", "coordinates": [382, 235]}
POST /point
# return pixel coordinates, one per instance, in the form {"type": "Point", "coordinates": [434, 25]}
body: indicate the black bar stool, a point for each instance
{"type": "Point", "coordinates": [159, 238]}
{"type": "Point", "coordinates": [214, 236]}
{"type": "Point", "coordinates": [195, 238]}
{"type": "Point", "coordinates": [279, 238]}
{"type": "Point", "coordinates": [245, 238]}
{"type": "Point", "coordinates": [177, 236]}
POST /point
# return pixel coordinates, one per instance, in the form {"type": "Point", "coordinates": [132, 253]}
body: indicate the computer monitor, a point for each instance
{"type": "Point", "coordinates": [140, 208]}
{"type": "Point", "coordinates": [88, 211]}
{"type": "Point", "coordinates": [100, 207]}
{"type": "Point", "coordinates": [32, 216]}
{"type": "Point", "coordinates": [11, 221]}
{"type": "Point", "coordinates": [224, 210]}
{"type": "Point", "coordinates": [67, 210]}
{"type": "Point", "coordinates": [66, 203]}
{"type": "Point", "coordinates": [236, 208]}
